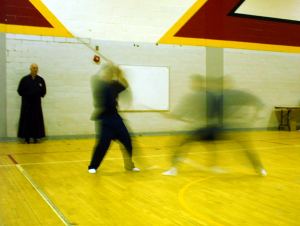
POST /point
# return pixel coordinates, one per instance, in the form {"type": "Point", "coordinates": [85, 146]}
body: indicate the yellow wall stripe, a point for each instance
{"type": "Point", "coordinates": [57, 30]}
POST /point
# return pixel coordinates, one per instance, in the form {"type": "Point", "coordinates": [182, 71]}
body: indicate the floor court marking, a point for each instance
{"type": "Point", "coordinates": [155, 156]}
{"type": "Point", "coordinates": [44, 196]}
{"type": "Point", "coordinates": [12, 159]}
{"type": "Point", "coordinates": [7, 165]}
{"type": "Point", "coordinates": [67, 222]}
{"type": "Point", "coordinates": [186, 207]}
{"type": "Point", "coordinates": [170, 146]}
{"type": "Point", "coordinates": [233, 142]}
{"type": "Point", "coordinates": [194, 214]}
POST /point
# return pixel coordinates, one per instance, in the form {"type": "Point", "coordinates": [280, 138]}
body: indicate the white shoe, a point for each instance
{"type": "Point", "coordinates": [193, 164]}
{"type": "Point", "coordinates": [135, 169]}
{"type": "Point", "coordinates": [92, 170]}
{"type": "Point", "coordinates": [171, 172]}
{"type": "Point", "coordinates": [154, 167]}
{"type": "Point", "coordinates": [263, 172]}
{"type": "Point", "coordinates": [217, 169]}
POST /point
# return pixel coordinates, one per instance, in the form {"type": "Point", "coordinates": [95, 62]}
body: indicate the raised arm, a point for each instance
{"type": "Point", "coordinates": [120, 77]}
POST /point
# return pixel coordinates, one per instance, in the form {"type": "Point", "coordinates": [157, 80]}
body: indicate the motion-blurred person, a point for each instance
{"type": "Point", "coordinates": [240, 110]}
{"type": "Point", "coordinates": [31, 88]}
{"type": "Point", "coordinates": [106, 87]}
{"type": "Point", "coordinates": [222, 109]}
{"type": "Point", "coordinates": [201, 103]}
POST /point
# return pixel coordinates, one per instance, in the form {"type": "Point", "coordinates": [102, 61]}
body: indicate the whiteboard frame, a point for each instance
{"type": "Point", "coordinates": [169, 90]}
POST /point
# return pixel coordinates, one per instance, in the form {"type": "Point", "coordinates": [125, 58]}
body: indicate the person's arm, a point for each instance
{"type": "Point", "coordinates": [122, 80]}
{"type": "Point", "coordinates": [176, 117]}
{"type": "Point", "coordinates": [182, 110]}
{"type": "Point", "coordinates": [21, 87]}
{"type": "Point", "coordinates": [20, 91]}
{"type": "Point", "coordinates": [43, 88]}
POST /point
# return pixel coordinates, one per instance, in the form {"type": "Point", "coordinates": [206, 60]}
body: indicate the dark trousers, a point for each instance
{"type": "Point", "coordinates": [112, 128]}
{"type": "Point", "coordinates": [211, 134]}
{"type": "Point", "coordinates": [207, 134]}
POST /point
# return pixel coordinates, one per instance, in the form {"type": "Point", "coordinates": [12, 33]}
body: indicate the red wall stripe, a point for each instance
{"type": "Point", "coordinates": [213, 21]}
{"type": "Point", "coordinates": [21, 12]}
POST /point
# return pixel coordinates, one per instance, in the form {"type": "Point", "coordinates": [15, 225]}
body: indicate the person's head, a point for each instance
{"type": "Point", "coordinates": [34, 69]}
{"type": "Point", "coordinates": [228, 82]}
{"type": "Point", "coordinates": [110, 72]}
{"type": "Point", "coordinates": [214, 83]}
{"type": "Point", "coordinates": [117, 71]}
{"type": "Point", "coordinates": [197, 82]}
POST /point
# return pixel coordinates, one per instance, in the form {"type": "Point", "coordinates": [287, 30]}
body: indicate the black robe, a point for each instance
{"type": "Point", "coordinates": [31, 124]}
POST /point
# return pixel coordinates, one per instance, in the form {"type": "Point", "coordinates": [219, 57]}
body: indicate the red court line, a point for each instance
{"type": "Point", "coordinates": [12, 159]}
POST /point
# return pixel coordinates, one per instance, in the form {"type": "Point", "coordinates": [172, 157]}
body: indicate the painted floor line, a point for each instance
{"type": "Point", "coordinates": [44, 196]}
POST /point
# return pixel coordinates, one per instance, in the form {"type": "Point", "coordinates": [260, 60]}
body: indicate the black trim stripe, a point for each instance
{"type": "Point", "coordinates": [265, 18]}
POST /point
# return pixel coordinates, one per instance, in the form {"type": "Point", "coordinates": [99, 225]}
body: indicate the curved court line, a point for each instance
{"type": "Point", "coordinates": [194, 214]}
{"type": "Point", "coordinates": [44, 196]}
{"type": "Point", "coordinates": [188, 209]}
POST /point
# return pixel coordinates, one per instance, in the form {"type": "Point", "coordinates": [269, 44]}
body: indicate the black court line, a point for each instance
{"type": "Point", "coordinates": [265, 18]}
{"type": "Point", "coordinates": [12, 159]}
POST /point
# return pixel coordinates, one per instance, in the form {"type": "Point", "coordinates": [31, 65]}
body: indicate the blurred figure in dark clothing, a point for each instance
{"type": "Point", "coordinates": [209, 101]}
{"type": "Point", "coordinates": [204, 105]}
{"type": "Point", "coordinates": [240, 110]}
{"type": "Point", "coordinates": [31, 88]}
{"type": "Point", "coordinates": [106, 87]}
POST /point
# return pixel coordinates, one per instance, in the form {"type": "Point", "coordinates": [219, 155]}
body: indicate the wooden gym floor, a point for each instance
{"type": "Point", "coordinates": [48, 184]}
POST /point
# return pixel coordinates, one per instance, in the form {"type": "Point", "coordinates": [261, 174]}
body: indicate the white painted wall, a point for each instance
{"type": "Point", "coordinates": [67, 68]}
{"type": "Point", "coordinates": [283, 9]}
{"type": "Point", "coordinates": [2, 85]}
{"type": "Point", "coordinates": [119, 20]}
{"type": "Point", "coordinates": [273, 77]}
{"type": "Point", "coordinates": [66, 65]}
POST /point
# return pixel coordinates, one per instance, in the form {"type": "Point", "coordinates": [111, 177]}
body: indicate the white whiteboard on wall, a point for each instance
{"type": "Point", "coordinates": [148, 89]}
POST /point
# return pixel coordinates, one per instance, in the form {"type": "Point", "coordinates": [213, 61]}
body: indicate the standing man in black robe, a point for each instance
{"type": "Point", "coordinates": [31, 88]}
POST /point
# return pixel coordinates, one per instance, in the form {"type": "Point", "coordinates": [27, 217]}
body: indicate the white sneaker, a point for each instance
{"type": "Point", "coordinates": [194, 164]}
{"type": "Point", "coordinates": [263, 172]}
{"type": "Point", "coordinates": [92, 170]}
{"type": "Point", "coordinates": [171, 172]}
{"type": "Point", "coordinates": [217, 169]}
{"type": "Point", "coordinates": [154, 167]}
{"type": "Point", "coordinates": [135, 169]}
